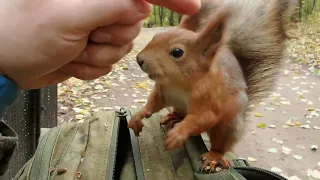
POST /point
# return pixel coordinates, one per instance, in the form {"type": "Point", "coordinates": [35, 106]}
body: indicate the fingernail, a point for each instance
{"type": "Point", "coordinates": [143, 6]}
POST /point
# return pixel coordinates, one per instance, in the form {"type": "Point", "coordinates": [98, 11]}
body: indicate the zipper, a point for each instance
{"type": "Point", "coordinates": [246, 167]}
{"type": "Point", "coordinates": [113, 148]}
{"type": "Point", "coordinates": [125, 115]}
{"type": "Point", "coordinates": [260, 170]}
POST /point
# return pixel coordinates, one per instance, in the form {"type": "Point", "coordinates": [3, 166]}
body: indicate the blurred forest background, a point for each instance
{"type": "Point", "coordinates": [162, 17]}
{"type": "Point", "coordinates": [304, 44]}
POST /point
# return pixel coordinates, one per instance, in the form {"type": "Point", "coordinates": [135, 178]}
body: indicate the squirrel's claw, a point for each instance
{"type": "Point", "coordinates": [170, 117]}
{"type": "Point", "coordinates": [214, 160]}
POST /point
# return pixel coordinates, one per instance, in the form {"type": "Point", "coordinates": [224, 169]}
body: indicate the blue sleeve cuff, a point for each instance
{"type": "Point", "coordinates": [8, 94]}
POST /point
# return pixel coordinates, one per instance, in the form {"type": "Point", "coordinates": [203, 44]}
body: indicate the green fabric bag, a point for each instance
{"type": "Point", "coordinates": [103, 148]}
{"type": "Point", "coordinates": [8, 143]}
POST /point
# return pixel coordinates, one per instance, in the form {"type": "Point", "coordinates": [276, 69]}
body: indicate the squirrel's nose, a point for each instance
{"type": "Point", "coordinates": [140, 61]}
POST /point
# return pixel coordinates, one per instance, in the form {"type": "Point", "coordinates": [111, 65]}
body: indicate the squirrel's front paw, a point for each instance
{"type": "Point", "coordinates": [176, 137]}
{"type": "Point", "coordinates": [136, 124]}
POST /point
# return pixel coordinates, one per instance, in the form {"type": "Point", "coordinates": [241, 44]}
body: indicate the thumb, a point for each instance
{"type": "Point", "coordinates": [96, 13]}
{"type": "Point", "coordinates": [185, 7]}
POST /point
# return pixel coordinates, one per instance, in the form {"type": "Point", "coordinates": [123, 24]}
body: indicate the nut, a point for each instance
{"type": "Point", "coordinates": [61, 171]}
{"type": "Point", "coordinates": [78, 175]}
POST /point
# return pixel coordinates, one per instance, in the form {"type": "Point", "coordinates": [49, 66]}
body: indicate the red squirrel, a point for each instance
{"type": "Point", "coordinates": [200, 70]}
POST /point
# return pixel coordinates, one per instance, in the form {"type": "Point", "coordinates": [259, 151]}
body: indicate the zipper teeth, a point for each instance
{"type": "Point", "coordinates": [116, 143]}
{"type": "Point", "coordinates": [135, 152]}
{"type": "Point", "coordinates": [261, 170]}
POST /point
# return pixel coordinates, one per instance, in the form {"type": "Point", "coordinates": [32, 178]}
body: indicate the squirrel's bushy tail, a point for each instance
{"type": "Point", "coordinates": [258, 37]}
{"type": "Point", "coordinates": [257, 30]}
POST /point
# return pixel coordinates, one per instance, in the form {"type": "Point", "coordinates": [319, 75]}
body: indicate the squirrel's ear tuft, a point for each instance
{"type": "Point", "coordinates": [213, 35]}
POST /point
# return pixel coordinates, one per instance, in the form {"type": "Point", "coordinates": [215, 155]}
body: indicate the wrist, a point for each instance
{"type": "Point", "coordinates": [8, 93]}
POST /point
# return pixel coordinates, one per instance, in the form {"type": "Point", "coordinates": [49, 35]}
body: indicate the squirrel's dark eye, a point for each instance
{"type": "Point", "coordinates": [176, 53]}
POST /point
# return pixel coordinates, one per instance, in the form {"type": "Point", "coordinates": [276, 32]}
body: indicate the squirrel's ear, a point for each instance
{"type": "Point", "coordinates": [213, 35]}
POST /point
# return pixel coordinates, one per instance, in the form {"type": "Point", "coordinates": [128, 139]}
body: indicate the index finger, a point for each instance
{"type": "Point", "coordinates": [185, 7]}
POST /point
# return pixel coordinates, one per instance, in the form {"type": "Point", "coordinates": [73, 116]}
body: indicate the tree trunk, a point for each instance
{"type": "Point", "coordinates": [171, 20]}
{"type": "Point", "coordinates": [314, 7]}
{"type": "Point", "coordinates": [161, 15]}
{"type": "Point", "coordinates": [300, 9]}
{"type": "Point", "coordinates": [154, 14]}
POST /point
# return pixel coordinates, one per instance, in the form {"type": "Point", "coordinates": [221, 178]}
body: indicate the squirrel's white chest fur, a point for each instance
{"type": "Point", "coordinates": [177, 98]}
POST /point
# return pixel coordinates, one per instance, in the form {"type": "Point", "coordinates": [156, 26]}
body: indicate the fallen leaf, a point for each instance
{"type": "Point", "coordinates": [276, 170]}
{"type": "Point", "coordinates": [77, 110]}
{"type": "Point", "coordinates": [294, 178]}
{"type": "Point", "coordinates": [79, 116]}
{"type": "Point", "coordinates": [261, 125]}
{"type": "Point", "coordinates": [64, 108]}
{"type": "Point", "coordinates": [285, 127]}
{"type": "Point", "coordinates": [96, 97]}
{"type": "Point", "coordinates": [272, 126]}
{"type": "Point", "coordinates": [140, 100]}
{"type": "Point", "coordinates": [142, 85]}
{"type": "Point", "coordinates": [297, 157]}
{"type": "Point", "coordinates": [262, 103]}
{"type": "Point", "coordinates": [313, 173]}
{"type": "Point", "coordinates": [305, 126]}
{"type": "Point", "coordinates": [297, 123]}
{"type": "Point", "coordinates": [269, 109]}
{"type": "Point", "coordinates": [286, 150]}
{"type": "Point", "coordinates": [314, 147]}
{"type": "Point", "coordinates": [107, 108]}
{"type": "Point", "coordinates": [251, 159]}
{"type": "Point", "coordinates": [272, 150]}
{"type": "Point", "coordinates": [285, 102]}
{"type": "Point", "coordinates": [314, 113]}
{"type": "Point", "coordinates": [258, 114]}
{"type": "Point", "coordinates": [99, 87]}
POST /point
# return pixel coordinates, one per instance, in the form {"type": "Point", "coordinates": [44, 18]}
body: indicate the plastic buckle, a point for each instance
{"type": "Point", "coordinates": [240, 162]}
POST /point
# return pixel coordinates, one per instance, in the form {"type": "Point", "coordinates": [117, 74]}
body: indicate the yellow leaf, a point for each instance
{"type": "Point", "coordinates": [125, 67]}
{"type": "Point", "coordinates": [261, 125]}
{"type": "Point", "coordinates": [258, 114]}
{"type": "Point", "coordinates": [142, 85]}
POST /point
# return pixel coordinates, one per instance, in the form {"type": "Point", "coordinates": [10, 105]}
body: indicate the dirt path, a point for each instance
{"type": "Point", "coordinates": [127, 86]}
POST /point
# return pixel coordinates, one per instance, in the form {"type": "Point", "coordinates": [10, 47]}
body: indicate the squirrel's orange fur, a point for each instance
{"type": "Point", "coordinates": [198, 70]}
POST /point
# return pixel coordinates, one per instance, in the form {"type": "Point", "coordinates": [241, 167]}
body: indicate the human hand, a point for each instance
{"type": "Point", "coordinates": [50, 41]}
